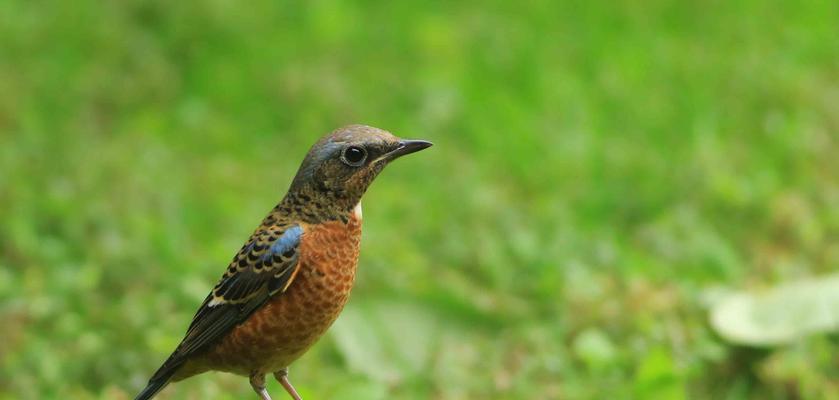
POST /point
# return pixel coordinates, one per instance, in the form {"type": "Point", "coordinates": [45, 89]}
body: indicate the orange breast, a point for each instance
{"type": "Point", "coordinates": [288, 324]}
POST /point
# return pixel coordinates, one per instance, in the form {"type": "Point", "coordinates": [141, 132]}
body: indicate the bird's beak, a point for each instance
{"type": "Point", "coordinates": [407, 147]}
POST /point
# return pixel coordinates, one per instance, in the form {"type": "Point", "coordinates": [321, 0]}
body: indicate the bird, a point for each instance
{"type": "Point", "coordinates": [290, 280]}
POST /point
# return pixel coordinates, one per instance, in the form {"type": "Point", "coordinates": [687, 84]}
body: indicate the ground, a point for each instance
{"type": "Point", "coordinates": [600, 169]}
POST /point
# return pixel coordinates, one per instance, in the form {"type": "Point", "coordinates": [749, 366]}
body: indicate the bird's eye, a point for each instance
{"type": "Point", "coordinates": [354, 156]}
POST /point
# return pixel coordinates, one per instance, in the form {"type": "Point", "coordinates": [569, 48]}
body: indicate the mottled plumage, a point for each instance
{"type": "Point", "coordinates": [291, 279]}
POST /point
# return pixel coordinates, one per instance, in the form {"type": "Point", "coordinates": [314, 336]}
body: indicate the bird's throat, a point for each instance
{"type": "Point", "coordinates": [357, 211]}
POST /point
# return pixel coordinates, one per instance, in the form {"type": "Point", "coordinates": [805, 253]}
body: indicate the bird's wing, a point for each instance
{"type": "Point", "coordinates": [265, 266]}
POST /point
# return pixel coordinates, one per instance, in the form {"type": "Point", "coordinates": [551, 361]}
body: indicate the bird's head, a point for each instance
{"type": "Point", "coordinates": [341, 166]}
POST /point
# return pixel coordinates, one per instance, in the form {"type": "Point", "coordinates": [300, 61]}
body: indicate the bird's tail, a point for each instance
{"type": "Point", "coordinates": [151, 389]}
{"type": "Point", "coordinates": [160, 378]}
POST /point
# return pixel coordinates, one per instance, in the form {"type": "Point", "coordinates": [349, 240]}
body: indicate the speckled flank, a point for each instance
{"type": "Point", "coordinates": [283, 329]}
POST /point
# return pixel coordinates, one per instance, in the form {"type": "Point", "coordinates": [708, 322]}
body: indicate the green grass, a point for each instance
{"type": "Point", "coordinates": [598, 167]}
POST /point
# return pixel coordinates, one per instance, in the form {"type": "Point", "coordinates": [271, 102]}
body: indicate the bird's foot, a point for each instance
{"type": "Point", "coordinates": [258, 385]}
{"type": "Point", "coordinates": [282, 377]}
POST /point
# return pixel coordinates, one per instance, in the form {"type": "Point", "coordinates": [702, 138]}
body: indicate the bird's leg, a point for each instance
{"type": "Point", "coordinates": [258, 385]}
{"type": "Point", "coordinates": [282, 376]}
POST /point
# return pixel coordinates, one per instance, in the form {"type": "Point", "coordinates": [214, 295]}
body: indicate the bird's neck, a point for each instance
{"type": "Point", "coordinates": [314, 206]}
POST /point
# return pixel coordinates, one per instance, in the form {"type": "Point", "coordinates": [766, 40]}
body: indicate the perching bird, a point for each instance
{"type": "Point", "coordinates": [291, 279]}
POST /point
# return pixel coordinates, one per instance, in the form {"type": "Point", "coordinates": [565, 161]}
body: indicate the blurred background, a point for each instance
{"type": "Point", "coordinates": [625, 199]}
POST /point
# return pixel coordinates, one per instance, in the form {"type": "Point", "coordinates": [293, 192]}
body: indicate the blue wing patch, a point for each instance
{"type": "Point", "coordinates": [287, 243]}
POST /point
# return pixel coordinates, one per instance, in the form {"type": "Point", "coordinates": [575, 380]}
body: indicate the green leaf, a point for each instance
{"type": "Point", "coordinates": [658, 377]}
{"type": "Point", "coordinates": [779, 315]}
{"type": "Point", "coordinates": [386, 341]}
